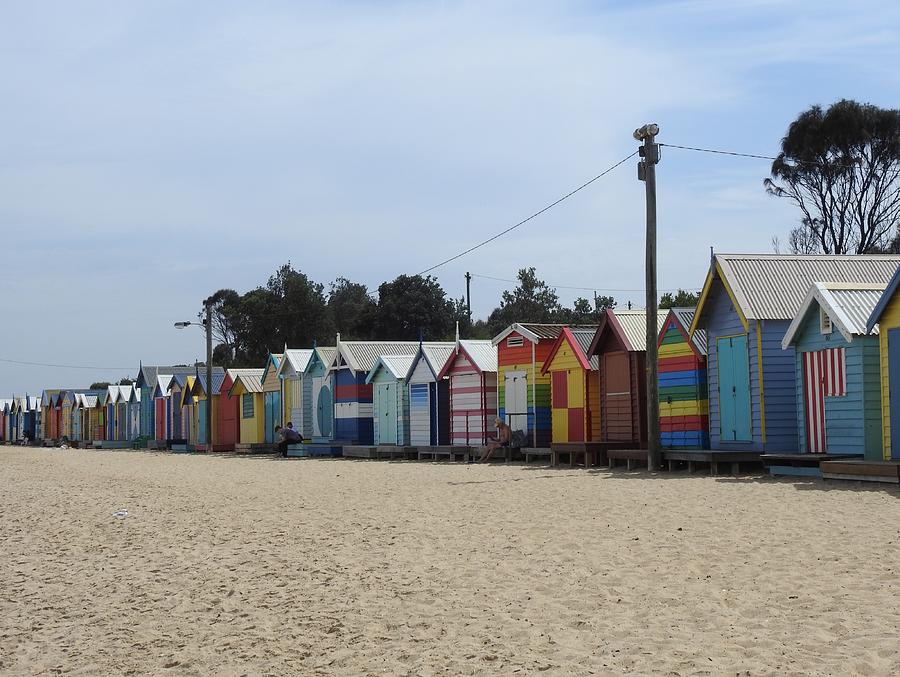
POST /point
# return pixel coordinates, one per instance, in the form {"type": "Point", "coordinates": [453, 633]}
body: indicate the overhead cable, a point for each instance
{"type": "Point", "coordinates": [533, 216]}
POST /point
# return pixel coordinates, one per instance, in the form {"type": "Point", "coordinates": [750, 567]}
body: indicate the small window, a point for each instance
{"type": "Point", "coordinates": [824, 322]}
{"type": "Point", "coordinates": [515, 342]}
{"type": "Point", "coordinates": [247, 405]}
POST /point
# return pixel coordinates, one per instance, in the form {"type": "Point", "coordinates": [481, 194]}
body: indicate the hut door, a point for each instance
{"type": "Point", "coordinates": [387, 414]}
{"type": "Point", "coordinates": [814, 402]}
{"type": "Point", "coordinates": [894, 387]}
{"type": "Point", "coordinates": [734, 389]}
{"type": "Point", "coordinates": [617, 417]}
{"type": "Point", "coordinates": [515, 389]}
{"type": "Point", "coordinates": [324, 410]}
{"type": "Point", "coordinates": [316, 387]}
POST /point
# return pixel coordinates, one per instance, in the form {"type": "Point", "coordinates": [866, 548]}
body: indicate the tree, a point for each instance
{"type": "Point", "coordinates": [100, 385]}
{"type": "Point", "coordinates": [681, 299]}
{"type": "Point", "coordinates": [584, 311]}
{"type": "Point", "coordinates": [531, 301]}
{"type": "Point", "coordinates": [351, 309]}
{"type": "Point", "coordinates": [841, 167]}
{"type": "Point", "coordinates": [226, 307]}
{"type": "Point", "coordinates": [411, 303]}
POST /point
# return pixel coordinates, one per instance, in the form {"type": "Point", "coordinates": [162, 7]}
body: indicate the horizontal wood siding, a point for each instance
{"type": "Point", "coordinates": [353, 408]}
{"type": "Point", "coordinates": [683, 392]}
{"type": "Point", "coordinates": [779, 389]}
{"type": "Point", "coordinates": [420, 413]}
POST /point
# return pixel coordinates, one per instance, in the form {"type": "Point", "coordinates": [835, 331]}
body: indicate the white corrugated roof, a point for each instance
{"type": "Point", "coordinates": [849, 306]}
{"type": "Point", "coordinates": [534, 331]}
{"type": "Point", "coordinates": [634, 325]}
{"type": "Point", "coordinates": [482, 352]}
{"type": "Point", "coordinates": [772, 286]}
{"type": "Point", "coordinates": [397, 365]}
{"type": "Point", "coordinates": [362, 355]}
{"type": "Point", "coordinates": [298, 360]}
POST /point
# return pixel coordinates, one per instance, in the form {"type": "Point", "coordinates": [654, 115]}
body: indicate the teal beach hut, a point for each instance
{"type": "Point", "coordinates": [390, 398]}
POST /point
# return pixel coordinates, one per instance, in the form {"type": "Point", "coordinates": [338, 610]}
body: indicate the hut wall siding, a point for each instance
{"type": "Point", "coordinates": [890, 319]}
{"type": "Point", "coordinates": [779, 389]}
{"type": "Point", "coordinates": [573, 421]}
{"type": "Point", "coordinates": [519, 359]}
{"type": "Point", "coordinates": [353, 408]}
{"type": "Point", "coordinates": [871, 368]}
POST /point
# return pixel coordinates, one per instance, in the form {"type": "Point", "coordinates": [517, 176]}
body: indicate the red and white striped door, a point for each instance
{"type": "Point", "coordinates": [824, 375]}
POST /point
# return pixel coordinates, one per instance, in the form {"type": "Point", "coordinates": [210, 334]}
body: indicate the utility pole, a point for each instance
{"type": "Point", "coordinates": [469, 297]}
{"type": "Point", "coordinates": [649, 153]}
{"type": "Point", "coordinates": [209, 375]}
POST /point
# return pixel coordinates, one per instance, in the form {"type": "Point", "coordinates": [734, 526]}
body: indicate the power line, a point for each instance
{"type": "Point", "coordinates": [754, 156]}
{"type": "Point", "coordinates": [563, 286]}
{"type": "Point", "coordinates": [61, 366]}
{"type": "Point", "coordinates": [535, 215]}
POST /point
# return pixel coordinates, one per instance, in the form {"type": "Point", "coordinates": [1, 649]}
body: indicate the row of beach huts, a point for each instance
{"type": "Point", "coordinates": [788, 361]}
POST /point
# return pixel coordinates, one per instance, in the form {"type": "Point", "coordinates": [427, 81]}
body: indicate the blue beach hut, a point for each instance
{"type": "Point", "coordinates": [429, 396]}
{"type": "Point", "coordinates": [838, 385]}
{"type": "Point", "coordinates": [746, 306]}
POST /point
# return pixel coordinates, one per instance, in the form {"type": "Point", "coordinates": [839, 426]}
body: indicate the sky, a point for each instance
{"type": "Point", "coordinates": [153, 152]}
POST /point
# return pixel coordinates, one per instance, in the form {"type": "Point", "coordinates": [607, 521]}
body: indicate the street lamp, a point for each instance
{"type": "Point", "coordinates": [207, 323]}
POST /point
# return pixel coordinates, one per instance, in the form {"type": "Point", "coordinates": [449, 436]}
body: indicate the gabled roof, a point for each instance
{"type": "Point", "coordinates": [273, 361]}
{"type": "Point", "coordinates": [630, 326]}
{"type": "Point", "coordinates": [481, 353]}
{"type": "Point", "coordinates": [772, 286]}
{"type": "Point", "coordinates": [362, 355]}
{"type": "Point", "coordinates": [534, 332]}
{"type": "Point", "coordinates": [396, 365]}
{"type": "Point", "coordinates": [148, 374]}
{"type": "Point", "coordinates": [323, 354]}
{"type": "Point", "coordinates": [199, 387]}
{"type": "Point", "coordinates": [250, 380]}
{"type": "Point", "coordinates": [295, 361]}
{"type": "Point", "coordinates": [179, 379]}
{"type": "Point", "coordinates": [435, 356]}
{"type": "Point", "coordinates": [889, 291]}
{"type": "Point", "coordinates": [685, 318]}
{"type": "Point", "coordinates": [580, 340]}
{"type": "Point", "coordinates": [848, 305]}
{"type": "Point", "coordinates": [47, 396]}
{"type": "Point", "coordinates": [116, 394]}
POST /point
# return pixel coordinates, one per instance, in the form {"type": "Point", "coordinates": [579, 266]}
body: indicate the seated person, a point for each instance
{"type": "Point", "coordinates": [286, 437]}
{"type": "Point", "coordinates": [504, 435]}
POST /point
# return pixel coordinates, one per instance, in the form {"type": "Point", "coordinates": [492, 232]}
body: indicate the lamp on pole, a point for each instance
{"type": "Point", "coordinates": [207, 323]}
{"type": "Point", "coordinates": [649, 153]}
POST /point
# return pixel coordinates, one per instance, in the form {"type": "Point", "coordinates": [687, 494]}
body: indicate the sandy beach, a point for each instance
{"type": "Point", "coordinates": [263, 566]}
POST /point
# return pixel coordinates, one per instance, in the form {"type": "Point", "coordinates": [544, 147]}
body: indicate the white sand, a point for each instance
{"type": "Point", "coordinates": [258, 566]}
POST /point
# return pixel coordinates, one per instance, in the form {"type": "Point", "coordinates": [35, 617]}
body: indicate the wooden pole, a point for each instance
{"type": "Point", "coordinates": [647, 172]}
{"type": "Point", "coordinates": [209, 376]}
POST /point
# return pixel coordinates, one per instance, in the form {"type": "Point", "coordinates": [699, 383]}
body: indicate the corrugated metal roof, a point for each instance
{"type": "Point", "coordinates": [326, 354]}
{"type": "Point", "coordinates": [483, 353]}
{"type": "Point", "coordinates": [397, 365]}
{"type": "Point", "coordinates": [583, 337]}
{"type": "Point", "coordinates": [89, 401]}
{"type": "Point", "coordinates": [772, 286]}
{"type": "Point", "coordinates": [297, 359]}
{"type": "Point", "coordinates": [362, 355]}
{"type": "Point", "coordinates": [535, 332]}
{"type": "Point", "coordinates": [685, 317]}
{"type": "Point", "coordinates": [437, 354]}
{"type": "Point", "coordinates": [217, 379]}
{"type": "Point", "coordinates": [848, 305]}
{"type": "Point", "coordinates": [634, 325]}
{"type": "Point", "coordinates": [251, 379]}
{"type": "Point", "coordinates": [149, 373]}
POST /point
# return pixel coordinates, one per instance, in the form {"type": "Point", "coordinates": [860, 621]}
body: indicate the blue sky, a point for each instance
{"type": "Point", "coordinates": [153, 152]}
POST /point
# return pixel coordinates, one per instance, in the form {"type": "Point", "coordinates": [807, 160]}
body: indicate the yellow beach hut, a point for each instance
{"type": "Point", "coordinates": [251, 410]}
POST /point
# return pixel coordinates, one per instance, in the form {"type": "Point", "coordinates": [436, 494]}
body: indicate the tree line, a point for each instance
{"type": "Point", "coordinates": [292, 310]}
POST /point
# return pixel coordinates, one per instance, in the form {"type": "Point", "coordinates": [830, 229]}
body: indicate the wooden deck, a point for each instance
{"type": "Point", "coordinates": [861, 470]}
{"type": "Point", "coordinates": [632, 457]}
{"type": "Point", "coordinates": [591, 453]}
{"type": "Point", "coordinates": [392, 452]}
{"type": "Point", "coordinates": [355, 451]}
{"type": "Point", "coordinates": [531, 453]}
{"type": "Point", "coordinates": [799, 465]}
{"type": "Point", "coordinates": [714, 458]}
{"type": "Point", "coordinates": [435, 453]}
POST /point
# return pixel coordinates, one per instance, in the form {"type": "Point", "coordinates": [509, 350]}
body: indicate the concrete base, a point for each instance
{"type": "Point", "coordinates": [358, 451]}
{"type": "Point", "coordinates": [391, 452]}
